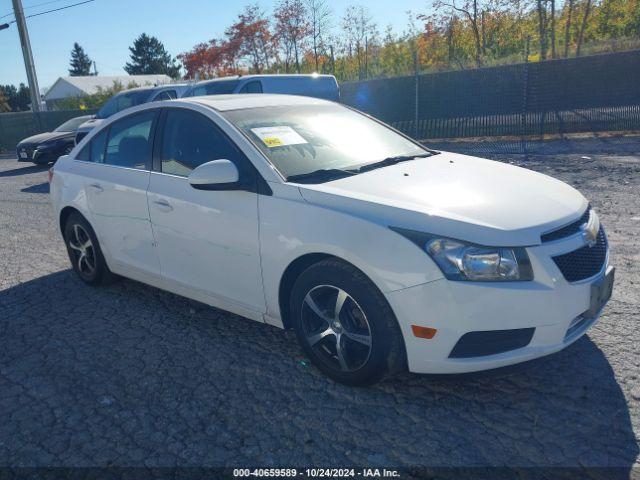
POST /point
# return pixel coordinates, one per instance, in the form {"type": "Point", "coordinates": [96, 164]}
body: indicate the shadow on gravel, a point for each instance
{"type": "Point", "coordinates": [130, 375]}
{"type": "Point", "coordinates": [24, 170]}
{"type": "Point", "coordinates": [39, 188]}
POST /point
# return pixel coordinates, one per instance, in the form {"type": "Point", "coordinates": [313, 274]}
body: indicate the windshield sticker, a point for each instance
{"type": "Point", "coordinates": [278, 136]}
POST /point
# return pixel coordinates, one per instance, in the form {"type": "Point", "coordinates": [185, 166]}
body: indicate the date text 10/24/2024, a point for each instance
{"type": "Point", "coordinates": [316, 472]}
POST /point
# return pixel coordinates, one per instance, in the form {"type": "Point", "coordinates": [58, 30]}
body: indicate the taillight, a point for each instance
{"type": "Point", "coordinates": [50, 174]}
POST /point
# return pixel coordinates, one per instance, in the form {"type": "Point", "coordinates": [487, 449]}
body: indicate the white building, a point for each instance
{"type": "Point", "coordinates": [66, 87]}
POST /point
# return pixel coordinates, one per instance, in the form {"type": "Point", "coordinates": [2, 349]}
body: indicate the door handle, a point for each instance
{"type": "Point", "coordinates": [163, 205]}
{"type": "Point", "coordinates": [97, 187]}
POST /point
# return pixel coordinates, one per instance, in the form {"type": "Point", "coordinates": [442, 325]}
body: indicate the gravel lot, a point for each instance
{"type": "Point", "coordinates": [132, 376]}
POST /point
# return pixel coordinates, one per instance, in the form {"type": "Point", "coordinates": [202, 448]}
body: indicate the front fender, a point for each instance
{"type": "Point", "coordinates": [290, 228]}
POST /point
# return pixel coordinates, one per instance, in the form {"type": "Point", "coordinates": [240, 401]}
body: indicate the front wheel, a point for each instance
{"type": "Point", "coordinates": [345, 324]}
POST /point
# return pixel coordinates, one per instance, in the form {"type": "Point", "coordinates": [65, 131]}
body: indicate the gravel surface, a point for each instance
{"type": "Point", "coordinates": [129, 375]}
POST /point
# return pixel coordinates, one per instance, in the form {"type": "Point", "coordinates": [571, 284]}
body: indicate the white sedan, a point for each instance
{"type": "Point", "coordinates": [301, 213]}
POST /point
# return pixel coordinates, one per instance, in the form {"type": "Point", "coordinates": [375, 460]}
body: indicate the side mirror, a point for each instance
{"type": "Point", "coordinates": [215, 175]}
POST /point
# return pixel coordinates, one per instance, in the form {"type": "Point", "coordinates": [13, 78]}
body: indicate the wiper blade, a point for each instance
{"type": "Point", "coordinates": [390, 161]}
{"type": "Point", "coordinates": [322, 175]}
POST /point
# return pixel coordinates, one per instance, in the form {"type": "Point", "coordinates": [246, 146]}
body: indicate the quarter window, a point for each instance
{"type": "Point", "coordinates": [191, 139]}
{"type": "Point", "coordinates": [129, 142]}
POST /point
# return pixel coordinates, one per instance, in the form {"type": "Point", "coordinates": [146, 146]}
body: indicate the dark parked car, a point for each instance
{"type": "Point", "coordinates": [47, 147]}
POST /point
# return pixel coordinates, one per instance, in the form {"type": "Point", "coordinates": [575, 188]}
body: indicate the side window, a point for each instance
{"type": "Point", "coordinates": [191, 139]}
{"type": "Point", "coordinates": [252, 87]}
{"type": "Point", "coordinates": [129, 142]}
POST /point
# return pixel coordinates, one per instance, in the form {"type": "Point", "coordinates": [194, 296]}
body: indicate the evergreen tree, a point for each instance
{"type": "Point", "coordinates": [148, 56]}
{"type": "Point", "coordinates": [4, 103]}
{"type": "Point", "coordinates": [80, 62]}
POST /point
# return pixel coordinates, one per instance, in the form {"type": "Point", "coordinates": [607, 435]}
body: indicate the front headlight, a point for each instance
{"type": "Point", "coordinates": [460, 260]}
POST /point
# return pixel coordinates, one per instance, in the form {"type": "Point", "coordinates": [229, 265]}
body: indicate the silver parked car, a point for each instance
{"type": "Point", "coordinates": [131, 98]}
{"type": "Point", "coordinates": [313, 85]}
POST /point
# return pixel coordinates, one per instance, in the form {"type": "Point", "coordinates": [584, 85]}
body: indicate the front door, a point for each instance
{"type": "Point", "coordinates": [206, 240]}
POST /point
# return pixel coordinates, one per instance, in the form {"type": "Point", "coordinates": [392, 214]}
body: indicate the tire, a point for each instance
{"type": "Point", "coordinates": [332, 285]}
{"type": "Point", "coordinates": [84, 252]}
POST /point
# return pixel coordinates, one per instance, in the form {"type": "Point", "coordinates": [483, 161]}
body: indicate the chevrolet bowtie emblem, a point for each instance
{"type": "Point", "coordinates": [590, 229]}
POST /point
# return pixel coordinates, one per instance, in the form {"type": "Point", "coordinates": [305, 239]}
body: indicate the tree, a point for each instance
{"type": "Point", "coordinates": [358, 29]}
{"type": "Point", "coordinates": [470, 10]}
{"type": "Point", "coordinates": [250, 38]}
{"type": "Point", "coordinates": [319, 24]}
{"type": "Point", "coordinates": [18, 99]}
{"type": "Point", "coordinates": [80, 62]}
{"type": "Point", "coordinates": [215, 58]}
{"type": "Point", "coordinates": [583, 26]}
{"type": "Point", "coordinates": [148, 56]}
{"type": "Point", "coordinates": [567, 28]}
{"type": "Point", "coordinates": [4, 103]}
{"type": "Point", "coordinates": [292, 29]}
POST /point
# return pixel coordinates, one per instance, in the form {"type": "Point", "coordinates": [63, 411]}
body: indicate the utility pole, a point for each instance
{"type": "Point", "coordinates": [34, 90]}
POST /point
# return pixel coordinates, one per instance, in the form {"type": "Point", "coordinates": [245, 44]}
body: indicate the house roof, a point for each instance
{"type": "Point", "coordinates": [66, 87]}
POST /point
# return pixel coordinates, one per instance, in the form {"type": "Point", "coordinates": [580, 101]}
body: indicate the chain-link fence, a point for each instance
{"type": "Point", "coordinates": [509, 106]}
{"type": "Point", "coordinates": [18, 125]}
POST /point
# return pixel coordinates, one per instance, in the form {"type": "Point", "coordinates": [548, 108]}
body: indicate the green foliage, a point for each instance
{"type": "Point", "coordinates": [80, 62]}
{"type": "Point", "coordinates": [148, 56]}
{"type": "Point", "coordinates": [456, 34]}
{"type": "Point", "coordinates": [4, 103]}
{"type": "Point", "coordinates": [93, 101]}
{"type": "Point", "coordinates": [18, 99]}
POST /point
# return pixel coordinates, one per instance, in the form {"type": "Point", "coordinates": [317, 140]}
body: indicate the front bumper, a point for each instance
{"type": "Point", "coordinates": [551, 309]}
{"type": "Point", "coordinates": [39, 155]}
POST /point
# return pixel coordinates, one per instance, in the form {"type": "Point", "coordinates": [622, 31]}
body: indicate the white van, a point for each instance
{"type": "Point", "coordinates": [313, 85]}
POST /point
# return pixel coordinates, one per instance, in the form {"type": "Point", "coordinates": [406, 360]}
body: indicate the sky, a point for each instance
{"type": "Point", "coordinates": [106, 28]}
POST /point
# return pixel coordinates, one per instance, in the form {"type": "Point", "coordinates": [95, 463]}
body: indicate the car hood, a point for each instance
{"type": "Point", "coordinates": [456, 196]}
{"type": "Point", "coordinates": [45, 137]}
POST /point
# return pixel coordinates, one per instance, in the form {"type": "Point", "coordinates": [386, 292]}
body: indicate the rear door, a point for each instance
{"type": "Point", "coordinates": [116, 171]}
{"type": "Point", "coordinates": [206, 240]}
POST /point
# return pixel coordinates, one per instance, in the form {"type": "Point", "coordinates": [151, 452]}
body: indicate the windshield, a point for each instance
{"type": "Point", "coordinates": [122, 101]}
{"type": "Point", "coordinates": [218, 87]}
{"type": "Point", "coordinates": [299, 140]}
{"type": "Point", "coordinates": [71, 125]}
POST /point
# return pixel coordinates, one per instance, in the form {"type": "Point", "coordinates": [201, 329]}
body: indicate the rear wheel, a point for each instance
{"type": "Point", "coordinates": [84, 251]}
{"type": "Point", "coordinates": [345, 324]}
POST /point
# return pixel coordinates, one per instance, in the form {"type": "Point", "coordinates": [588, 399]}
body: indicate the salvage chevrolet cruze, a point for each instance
{"type": "Point", "coordinates": [301, 213]}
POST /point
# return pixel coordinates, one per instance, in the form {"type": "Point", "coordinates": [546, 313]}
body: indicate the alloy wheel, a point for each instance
{"type": "Point", "coordinates": [336, 328]}
{"type": "Point", "coordinates": [83, 250]}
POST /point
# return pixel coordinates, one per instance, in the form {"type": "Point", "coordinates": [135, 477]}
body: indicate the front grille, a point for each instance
{"type": "Point", "coordinates": [491, 342]}
{"type": "Point", "coordinates": [585, 262]}
{"type": "Point", "coordinates": [567, 230]}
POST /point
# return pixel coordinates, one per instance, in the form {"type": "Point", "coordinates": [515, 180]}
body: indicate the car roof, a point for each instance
{"type": "Point", "coordinates": [253, 100]}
